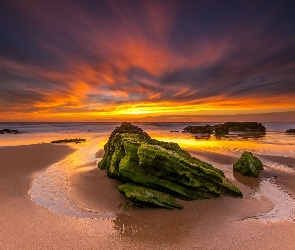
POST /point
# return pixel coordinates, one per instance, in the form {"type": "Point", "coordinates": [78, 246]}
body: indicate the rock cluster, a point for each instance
{"type": "Point", "coordinates": [154, 172]}
{"type": "Point", "coordinates": [9, 131]}
{"type": "Point", "coordinates": [248, 165]}
{"type": "Point", "coordinates": [225, 128]}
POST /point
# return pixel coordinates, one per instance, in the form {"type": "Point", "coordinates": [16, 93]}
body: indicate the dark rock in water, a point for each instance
{"type": "Point", "coordinates": [225, 128]}
{"type": "Point", "coordinates": [244, 126]}
{"type": "Point", "coordinates": [76, 140]}
{"type": "Point", "coordinates": [248, 165]}
{"type": "Point", "coordinates": [207, 129]}
{"type": "Point", "coordinates": [9, 131]}
{"type": "Point", "coordinates": [157, 171]}
{"type": "Point", "coordinates": [221, 130]}
{"type": "Point", "coordinates": [290, 131]}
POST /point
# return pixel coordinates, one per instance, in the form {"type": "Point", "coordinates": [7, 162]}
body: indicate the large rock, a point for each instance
{"type": "Point", "coordinates": [290, 131]}
{"type": "Point", "coordinates": [248, 165]}
{"type": "Point", "coordinates": [244, 127]}
{"type": "Point", "coordinates": [225, 128]}
{"type": "Point", "coordinates": [157, 171]}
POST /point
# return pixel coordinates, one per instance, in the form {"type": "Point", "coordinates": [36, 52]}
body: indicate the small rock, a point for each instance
{"type": "Point", "coordinates": [248, 165]}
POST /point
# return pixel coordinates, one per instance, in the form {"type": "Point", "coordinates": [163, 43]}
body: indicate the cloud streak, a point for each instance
{"type": "Point", "coordinates": [110, 58]}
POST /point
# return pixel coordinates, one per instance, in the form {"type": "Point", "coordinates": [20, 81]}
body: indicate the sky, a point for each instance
{"type": "Point", "coordinates": [81, 60]}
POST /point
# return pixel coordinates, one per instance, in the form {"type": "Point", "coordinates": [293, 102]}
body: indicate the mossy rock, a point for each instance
{"type": "Point", "coordinates": [136, 159]}
{"type": "Point", "coordinates": [248, 165]}
{"type": "Point", "coordinates": [143, 196]}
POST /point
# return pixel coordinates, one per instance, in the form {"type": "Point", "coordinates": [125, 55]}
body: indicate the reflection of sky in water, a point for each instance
{"type": "Point", "coordinates": [271, 143]}
{"type": "Point", "coordinates": [51, 187]}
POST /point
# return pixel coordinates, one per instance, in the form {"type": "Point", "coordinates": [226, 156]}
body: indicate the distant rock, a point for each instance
{"type": "Point", "coordinates": [248, 165]}
{"type": "Point", "coordinates": [154, 172]}
{"type": "Point", "coordinates": [9, 131]}
{"type": "Point", "coordinates": [221, 130]}
{"type": "Point", "coordinates": [290, 131]}
{"type": "Point", "coordinates": [207, 129]}
{"type": "Point", "coordinates": [225, 128]}
{"type": "Point", "coordinates": [244, 126]}
{"type": "Point", "coordinates": [76, 140]}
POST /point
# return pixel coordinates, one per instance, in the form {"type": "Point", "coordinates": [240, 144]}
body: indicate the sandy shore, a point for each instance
{"type": "Point", "coordinates": [207, 224]}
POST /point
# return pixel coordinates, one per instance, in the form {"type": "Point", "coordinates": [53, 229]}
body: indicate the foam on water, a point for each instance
{"type": "Point", "coordinates": [284, 203]}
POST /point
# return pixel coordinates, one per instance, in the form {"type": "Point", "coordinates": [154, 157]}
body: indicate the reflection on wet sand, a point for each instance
{"type": "Point", "coordinates": [91, 195]}
{"type": "Point", "coordinates": [284, 203]}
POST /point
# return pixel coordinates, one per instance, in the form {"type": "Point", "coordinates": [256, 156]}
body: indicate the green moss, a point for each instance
{"type": "Point", "coordinates": [162, 166]}
{"type": "Point", "coordinates": [143, 196]}
{"type": "Point", "coordinates": [248, 165]}
{"type": "Point", "coordinates": [125, 206]}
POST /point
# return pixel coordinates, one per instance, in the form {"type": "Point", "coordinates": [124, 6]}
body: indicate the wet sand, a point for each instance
{"type": "Point", "coordinates": [219, 223]}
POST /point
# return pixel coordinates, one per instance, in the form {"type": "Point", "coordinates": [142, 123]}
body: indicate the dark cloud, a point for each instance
{"type": "Point", "coordinates": [99, 55]}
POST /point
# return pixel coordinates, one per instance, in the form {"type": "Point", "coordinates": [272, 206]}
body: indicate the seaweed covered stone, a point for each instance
{"type": "Point", "coordinates": [161, 169]}
{"type": "Point", "coordinates": [248, 165]}
{"type": "Point", "coordinates": [143, 196]}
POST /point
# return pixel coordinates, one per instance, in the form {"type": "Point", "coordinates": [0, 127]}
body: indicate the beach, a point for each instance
{"type": "Point", "coordinates": [219, 223]}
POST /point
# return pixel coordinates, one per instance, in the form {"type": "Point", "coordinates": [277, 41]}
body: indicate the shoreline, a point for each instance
{"type": "Point", "coordinates": [215, 223]}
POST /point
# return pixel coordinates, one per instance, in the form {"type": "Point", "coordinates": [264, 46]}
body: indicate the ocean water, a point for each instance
{"type": "Point", "coordinates": [272, 146]}
{"type": "Point", "coordinates": [274, 143]}
{"type": "Point", "coordinates": [34, 133]}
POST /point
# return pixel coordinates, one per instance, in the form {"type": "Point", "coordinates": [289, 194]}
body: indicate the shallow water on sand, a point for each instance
{"type": "Point", "coordinates": [51, 189]}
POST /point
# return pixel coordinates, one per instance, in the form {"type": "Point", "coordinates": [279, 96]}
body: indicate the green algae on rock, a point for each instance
{"type": "Point", "coordinates": [248, 165]}
{"type": "Point", "coordinates": [146, 164]}
{"type": "Point", "coordinates": [143, 196]}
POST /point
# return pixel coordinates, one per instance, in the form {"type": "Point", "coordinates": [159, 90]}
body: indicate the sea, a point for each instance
{"type": "Point", "coordinates": [274, 142]}
{"type": "Point", "coordinates": [273, 146]}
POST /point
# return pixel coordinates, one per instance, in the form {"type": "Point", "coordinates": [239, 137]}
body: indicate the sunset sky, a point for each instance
{"type": "Point", "coordinates": [82, 60]}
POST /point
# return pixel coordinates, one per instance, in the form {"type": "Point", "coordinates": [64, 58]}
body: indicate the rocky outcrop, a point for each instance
{"type": "Point", "coordinates": [244, 127]}
{"type": "Point", "coordinates": [225, 128]}
{"type": "Point", "coordinates": [154, 172]}
{"type": "Point", "coordinates": [248, 165]}
{"type": "Point", "coordinates": [290, 131]}
{"type": "Point", "coordinates": [76, 140]}
{"type": "Point", "coordinates": [207, 129]}
{"type": "Point", "coordinates": [9, 131]}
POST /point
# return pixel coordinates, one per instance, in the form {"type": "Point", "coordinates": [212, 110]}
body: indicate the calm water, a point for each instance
{"type": "Point", "coordinates": [275, 142]}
